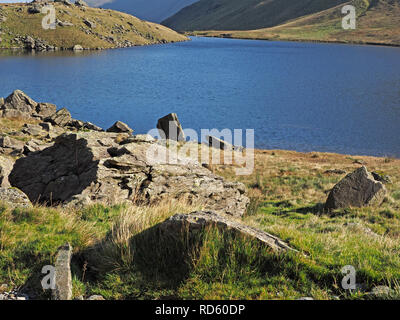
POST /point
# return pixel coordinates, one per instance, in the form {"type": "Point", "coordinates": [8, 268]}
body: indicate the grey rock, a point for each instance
{"type": "Point", "coordinates": [32, 129]}
{"type": "Point", "coordinates": [198, 221]}
{"type": "Point", "coordinates": [357, 189]}
{"type": "Point", "coordinates": [19, 101]}
{"type": "Point", "coordinates": [63, 278]}
{"type": "Point", "coordinates": [6, 165]}
{"type": "Point", "coordinates": [45, 110]}
{"type": "Point", "coordinates": [170, 128]}
{"type": "Point", "coordinates": [61, 118]}
{"type": "Point", "coordinates": [221, 144]}
{"type": "Point", "coordinates": [14, 198]}
{"type": "Point", "coordinates": [96, 297]}
{"type": "Point", "coordinates": [139, 138]}
{"type": "Point", "coordinates": [93, 166]}
{"type": "Point", "coordinates": [120, 127]}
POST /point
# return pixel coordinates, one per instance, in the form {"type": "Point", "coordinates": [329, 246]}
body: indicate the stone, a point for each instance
{"type": "Point", "coordinates": [32, 129]}
{"type": "Point", "coordinates": [381, 291]}
{"type": "Point", "coordinates": [14, 198]}
{"type": "Point", "coordinates": [80, 125]}
{"type": "Point", "coordinates": [198, 221]}
{"type": "Point", "coordinates": [45, 110]}
{"type": "Point", "coordinates": [35, 8]}
{"type": "Point", "coordinates": [10, 145]}
{"type": "Point", "coordinates": [221, 144]}
{"type": "Point", "coordinates": [357, 189]}
{"type": "Point", "coordinates": [81, 3]}
{"type": "Point", "coordinates": [47, 126]}
{"type": "Point", "coordinates": [34, 146]}
{"type": "Point", "coordinates": [19, 101]}
{"type": "Point", "coordinates": [89, 23]}
{"type": "Point", "coordinates": [120, 127]}
{"type": "Point", "coordinates": [63, 278]}
{"type": "Point", "coordinates": [94, 167]}
{"type": "Point", "coordinates": [170, 128]}
{"type": "Point", "coordinates": [6, 165]}
{"type": "Point", "coordinates": [381, 177]}
{"type": "Point", "coordinates": [139, 138]}
{"type": "Point", "coordinates": [61, 118]}
{"type": "Point", "coordinates": [77, 47]}
{"type": "Point", "coordinates": [96, 297]}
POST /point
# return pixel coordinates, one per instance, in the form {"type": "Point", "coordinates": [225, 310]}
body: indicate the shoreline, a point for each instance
{"type": "Point", "coordinates": [361, 43]}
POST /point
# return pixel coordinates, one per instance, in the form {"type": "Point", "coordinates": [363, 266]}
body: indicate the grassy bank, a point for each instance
{"type": "Point", "coordinates": [377, 23]}
{"type": "Point", "coordinates": [118, 254]}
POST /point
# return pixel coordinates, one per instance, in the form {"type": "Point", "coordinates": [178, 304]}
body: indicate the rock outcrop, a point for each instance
{"type": "Point", "coordinates": [90, 167]}
{"type": "Point", "coordinates": [357, 189]}
{"type": "Point", "coordinates": [198, 221]}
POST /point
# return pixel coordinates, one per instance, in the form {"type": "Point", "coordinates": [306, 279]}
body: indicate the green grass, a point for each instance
{"type": "Point", "coordinates": [119, 253]}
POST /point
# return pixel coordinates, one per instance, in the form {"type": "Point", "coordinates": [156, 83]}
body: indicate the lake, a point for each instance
{"type": "Point", "coordinates": [298, 96]}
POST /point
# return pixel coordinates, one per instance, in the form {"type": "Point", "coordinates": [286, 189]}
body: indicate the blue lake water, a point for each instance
{"type": "Point", "coordinates": [300, 96]}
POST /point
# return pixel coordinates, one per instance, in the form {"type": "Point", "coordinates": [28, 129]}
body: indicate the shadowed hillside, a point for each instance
{"type": "Point", "coordinates": [243, 14]}
{"type": "Point", "coordinates": [378, 22]}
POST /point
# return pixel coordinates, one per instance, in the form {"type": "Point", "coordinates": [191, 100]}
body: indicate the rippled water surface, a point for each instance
{"type": "Point", "coordinates": [301, 96]}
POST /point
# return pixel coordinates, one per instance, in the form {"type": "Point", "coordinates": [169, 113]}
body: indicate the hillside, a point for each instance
{"type": "Point", "coordinates": [243, 14]}
{"type": "Point", "coordinates": [378, 22]}
{"type": "Point", "coordinates": [151, 10]}
{"type": "Point", "coordinates": [78, 25]}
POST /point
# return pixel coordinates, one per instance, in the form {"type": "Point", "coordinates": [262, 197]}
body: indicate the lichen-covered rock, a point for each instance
{"type": "Point", "coordinates": [61, 118]}
{"type": "Point", "coordinates": [92, 167]}
{"type": "Point", "coordinates": [63, 278]}
{"type": "Point", "coordinates": [18, 104]}
{"type": "Point", "coordinates": [198, 221]}
{"type": "Point", "coordinates": [357, 189]}
{"type": "Point", "coordinates": [14, 198]}
{"type": "Point", "coordinates": [6, 165]}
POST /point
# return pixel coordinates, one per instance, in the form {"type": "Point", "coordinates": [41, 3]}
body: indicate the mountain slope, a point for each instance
{"type": "Point", "coordinates": [152, 10]}
{"type": "Point", "coordinates": [378, 22]}
{"type": "Point", "coordinates": [89, 27]}
{"type": "Point", "coordinates": [243, 14]}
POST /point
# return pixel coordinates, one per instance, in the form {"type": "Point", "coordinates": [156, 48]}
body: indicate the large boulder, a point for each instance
{"type": "Point", "coordinates": [93, 167]}
{"type": "Point", "coordinates": [18, 104]}
{"type": "Point", "coordinates": [170, 128]}
{"type": "Point", "coordinates": [14, 198]}
{"type": "Point", "coordinates": [198, 221]}
{"type": "Point", "coordinates": [357, 189]}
